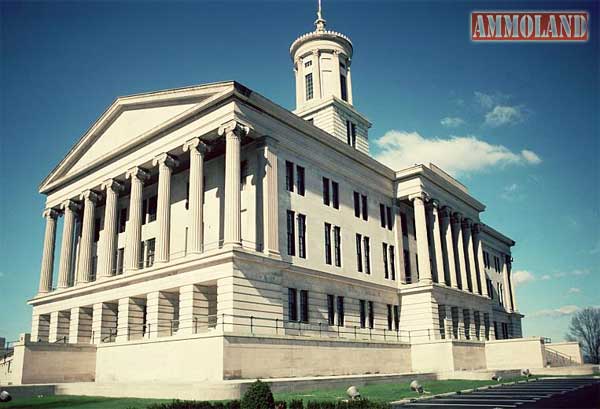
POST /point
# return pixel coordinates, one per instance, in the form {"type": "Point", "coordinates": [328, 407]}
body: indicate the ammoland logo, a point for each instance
{"type": "Point", "coordinates": [529, 26]}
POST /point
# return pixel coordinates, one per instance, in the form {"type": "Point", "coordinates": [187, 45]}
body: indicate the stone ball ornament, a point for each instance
{"type": "Point", "coordinates": [5, 397]}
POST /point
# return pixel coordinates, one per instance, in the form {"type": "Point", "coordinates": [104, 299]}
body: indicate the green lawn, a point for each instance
{"type": "Point", "coordinates": [381, 392]}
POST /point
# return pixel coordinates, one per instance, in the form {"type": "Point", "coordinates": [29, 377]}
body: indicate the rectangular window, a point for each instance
{"type": "Point", "coordinates": [122, 219]}
{"type": "Point", "coordinates": [301, 236]}
{"type": "Point", "coordinates": [150, 245]}
{"type": "Point", "coordinates": [120, 260]}
{"type": "Point", "coordinates": [335, 194]}
{"type": "Point", "coordinates": [348, 133]}
{"type": "Point", "coordinates": [152, 204]}
{"type": "Point", "coordinates": [392, 262]}
{"type": "Point", "coordinates": [353, 133]}
{"type": "Point", "coordinates": [94, 268]}
{"type": "Point", "coordinates": [97, 223]}
{"type": "Point", "coordinates": [390, 318]}
{"type": "Point", "coordinates": [496, 330]}
{"type": "Point", "coordinates": [382, 214]}
{"type": "Point", "coordinates": [477, 321]}
{"type": "Point", "coordinates": [308, 79]}
{"type": "Point", "coordinates": [407, 267]}
{"type": "Point", "coordinates": [327, 243]}
{"type": "Point", "coordinates": [187, 196]}
{"type": "Point", "coordinates": [403, 224]}
{"type": "Point", "coordinates": [326, 191]}
{"type": "Point", "coordinates": [396, 317]}
{"type": "Point", "coordinates": [144, 210]}
{"type": "Point", "coordinates": [337, 244]}
{"type": "Point", "coordinates": [388, 213]}
{"type": "Point", "coordinates": [308, 63]}
{"type": "Point", "coordinates": [367, 251]}
{"type": "Point", "coordinates": [486, 325]}
{"type": "Point", "coordinates": [414, 227]}
{"type": "Point", "coordinates": [300, 180]}
{"type": "Point", "coordinates": [292, 304]}
{"type": "Point", "coordinates": [467, 322]}
{"type": "Point", "coordinates": [356, 204]}
{"type": "Point", "coordinates": [289, 176]}
{"type": "Point", "coordinates": [365, 210]}
{"type": "Point", "coordinates": [304, 306]}
{"type": "Point", "coordinates": [363, 313]}
{"type": "Point", "coordinates": [371, 315]}
{"type": "Point", "coordinates": [291, 240]}
{"type": "Point", "coordinates": [344, 89]}
{"type": "Point", "coordinates": [340, 311]}
{"type": "Point", "coordinates": [359, 253]}
{"type": "Point", "coordinates": [441, 319]}
{"type": "Point", "coordinates": [490, 287]}
{"type": "Point", "coordinates": [386, 273]}
{"type": "Point", "coordinates": [330, 309]}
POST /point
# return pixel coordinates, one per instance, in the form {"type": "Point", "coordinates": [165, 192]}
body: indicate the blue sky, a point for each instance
{"type": "Point", "coordinates": [518, 123]}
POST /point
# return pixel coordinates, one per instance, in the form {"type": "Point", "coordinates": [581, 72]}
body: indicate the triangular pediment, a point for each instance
{"type": "Point", "coordinates": [128, 121]}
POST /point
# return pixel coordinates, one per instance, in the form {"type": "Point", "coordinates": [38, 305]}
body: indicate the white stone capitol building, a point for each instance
{"type": "Point", "coordinates": [209, 234]}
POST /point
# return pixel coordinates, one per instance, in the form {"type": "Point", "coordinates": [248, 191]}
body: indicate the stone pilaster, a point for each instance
{"type": "Point", "coordinates": [197, 150]}
{"type": "Point", "coordinates": [165, 163]}
{"type": "Point", "coordinates": [104, 322]}
{"type": "Point", "coordinates": [84, 269]}
{"type": "Point", "coordinates": [59, 326]}
{"type": "Point", "coordinates": [349, 82]}
{"type": "Point", "coordinates": [399, 241]}
{"type": "Point", "coordinates": [66, 248]}
{"type": "Point", "coordinates": [460, 250]}
{"type": "Point", "coordinates": [317, 75]}
{"type": "Point", "coordinates": [134, 227]}
{"type": "Point", "coordinates": [298, 75]}
{"type": "Point", "coordinates": [40, 327]}
{"type": "Point", "coordinates": [233, 131]}
{"type": "Point", "coordinates": [421, 236]}
{"type": "Point", "coordinates": [48, 255]}
{"type": "Point", "coordinates": [478, 249]}
{"type": "Point", "coordinates": [197, 308]}
{"type": "Point", "coordinates": [163, 313]}
{"type": "Point", "coordinates": [80, 329]}
{"type": "Point", "coordinates": [109, 235]}
{"type": "Point", "coordinates": [446, 213]}
{"type": "Point", "coordinates": [437, 242]}
{"type": "Point", "coordinates": [270, 190]}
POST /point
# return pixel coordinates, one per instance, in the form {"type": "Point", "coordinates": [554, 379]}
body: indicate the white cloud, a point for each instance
{"type": "Point", "coordinates": [485, 100]}
{"type": "Point", "coordinates": [504, 115]}
{"type": "Point", "coordinates": [512, 192]}
{"type": "Point", "coordinates": [572, 273]}
{"type": "Point", "coordinates": [546, 277]}
{"type": "Point", "coordinates": [556, 312]}
{"type": "Point", "coordinates": [531, 157]}
{"type": "Point", "coordinates": [452, 122]}
{"type": "Point", "coordinates": [521, 277]}
{"type": "Point", "coordinates": [574, 290]}
{"type": "Point", "coordinates": [456, 155]}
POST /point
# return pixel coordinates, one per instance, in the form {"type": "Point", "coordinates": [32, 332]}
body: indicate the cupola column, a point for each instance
{"type": "Point", "coordinates": [317, 74]}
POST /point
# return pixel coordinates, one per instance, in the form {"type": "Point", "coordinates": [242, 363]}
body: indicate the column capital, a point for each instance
{"type": "Point", "coordinates": [423, 196]}
{"type": "Point", "coordinates": [435, 203]}
{"type": "Point", "coordinates": [50, 213]}
{"type": "Point", "coordinates": [137, 173]}
{"type": "Point", "coordinates": [457, 217]}
{"type": "Point", "coordinates": [467, 223]}
{"type": "Point", "coordinates": [315, 52]}
{"type": "Point", "coordinates": [164, 159]}
{"type": "Point", "coordinates": [198, 145]}
{"type": "Point", "coordinates": [71, 205]}
{"type": "Point", "coordinates": [112, 184]}
{"type": "Point", "coordinates": [477, 228]}
{"type": "Point", "coordinates": [90, 195]}
{"type": "Point", "coordinates": [234, 129]}
{"type": "Point", "coordinates": [446, 212]}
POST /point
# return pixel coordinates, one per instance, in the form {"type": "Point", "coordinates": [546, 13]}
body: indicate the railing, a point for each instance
{"type": "Point", "coordinates": [9, 350]}
{"type": "Point", "coordinates": [60, 340]}
{"type": "Point", "coordinates": [546, 340]}
{"type": "Point", "coordinates": [559, 358]}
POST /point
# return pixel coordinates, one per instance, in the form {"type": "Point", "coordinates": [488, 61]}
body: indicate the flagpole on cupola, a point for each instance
{"type": "Point", "coordinates": [320, 21]}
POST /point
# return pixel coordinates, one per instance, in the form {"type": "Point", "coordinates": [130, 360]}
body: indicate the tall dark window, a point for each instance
{"type": "Point", "coordinates": [326, 191]}
{"type": "Point", "coordinates": [289, 176]}
{"type": "Point", "coordinates": [340, 311]}
{"type": "Point", "coordinates": [359, 253]}
{"type": "Point", "coordinates": [403, 224]}
{"type": "Point", "coordinates": [386, 272]}
{"type": "Point", "coordinates": [382, 214]}
{"type": "Point", "coordinates": [97, 223]}
{"type": "Point", "coordinates": [337, 244]}
{"type": "Point", "coordinates": [344, 88]}
{"type": "Point", "coordinates": [144, 210]}
{"type": "Point", "coordinates": [120, 260]}
{"type": "Point", "coordinates": [304, 306]}
{"type": "Point", "coordinates": [122, 219]}
{"type": "Point", "coordinates": [407, 267]}
{"type": "Point", "coordinates": [363, 313]}
{"type": "Point", "coordinates": [365, 209]}
{"type": "Point", "coordinates": [187, 196]}
{"type": "Point", "coordinates": [353, 134]}
{"type": "Point", "coordinates": [348, 133]}
{"type": "Point", "coordinates": [392, 262]}
{"type": "Point", "coordinates": [330, 309]}
{"type": "Point", "coordinates": [371, 314]}
{"type": "Point", "coordinates": [150, 246]}
{"type": "Point", "coordinates": [327, 243]}
{"type": "Point", "coordinates": [356, 204]}
{"type": "Point", "coordinates": [335, 190]}
{"type": "Point", "coordinates": [300, 180]}
{"type": "Point", "coordinates": [301, 236]}
{"type": "Point", "coordinates": [152, 204]}
{"type": "Point", "coordinates": [396, 317]}
{"type": "Point", "coordinates": [308, 80]}
{"type": "Point", "coordinates": [291, 241]}
{"type": "Point", "coordinates": [388, 212]}
{"type": "Point", "coordinates": [367, 251]}
{"type": "Point", "coordinates": [390, 318]}
{"type": "Point", "coordinates": [292, 304]}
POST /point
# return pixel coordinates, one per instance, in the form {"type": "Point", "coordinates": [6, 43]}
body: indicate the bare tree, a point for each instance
{"type": "Point", "coordinates": [585, 328]}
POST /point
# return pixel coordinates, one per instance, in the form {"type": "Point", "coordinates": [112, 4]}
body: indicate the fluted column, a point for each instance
{"type": "Point", "coordinates": [507, 299]}
{"type": "Point", "coordinates": [299, 88]}
{"type": "Point", "coordinates": [134, 227]}
{"type": "Point", "coordinates": [449, 239]}
{"type": "Point", "coordinates": [421, 236]}
{"type": "Point", "coordinates": [268, 156]}
{"type": "Point", "coordinates": [466, 235]}
{"type": "Point", "coordinates": [470, 248]}
{"type": "Point", "coordinates": [48, 255]}
{"type": "Point", "coordinates": [84, 269]}
{"type": "Point", "coordinates": [478, 248]}
{"type": "Point", "coordinates": [317, 74]}
{"type": "Point", "coordinates": [437, 242]}
{"type": "Point", "coordinates": [165, 163]}
{"type": "Point", "coordinates": [399, 241]}
{"type": "Point", "coordinates": [233, 132]}
{"type": "Point", "coordinates": [460, 250]}
{"type": "Point", "coordinates": [349, 83]}
{"type": "Point", "coordinates": [109, 235]}
{"type": "Point", "coordinates": [197, 150]}
{"type": "Point", "coordinates": [337, 86]}
{"type": "Point", "coordinates": [66, 248]}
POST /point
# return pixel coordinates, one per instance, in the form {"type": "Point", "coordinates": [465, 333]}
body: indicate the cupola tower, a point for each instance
{"type": "Point", "coordinates": [322, 60]}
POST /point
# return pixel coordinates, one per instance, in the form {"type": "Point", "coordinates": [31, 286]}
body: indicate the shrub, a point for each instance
{"type": "Point", "coordinates": [296, 404]}
{"type": "Point", "coordinates": [280, 404]}
{"type": "Point", "coordinates": [258, 396]}
{"type": "Point", "coordinates": [178, 404]}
